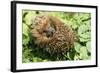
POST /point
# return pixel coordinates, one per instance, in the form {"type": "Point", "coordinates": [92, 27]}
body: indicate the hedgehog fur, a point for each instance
{"type": "Point", "coordinates": [50, 33]}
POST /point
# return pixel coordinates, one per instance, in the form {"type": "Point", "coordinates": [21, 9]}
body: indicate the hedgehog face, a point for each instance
{"type": "Point", "coordinates": [44, 26]}
{"type": "Point", "coordinates": [50, 32]}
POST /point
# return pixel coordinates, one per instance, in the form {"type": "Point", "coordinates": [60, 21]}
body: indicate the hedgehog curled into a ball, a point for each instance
{"type": "Point", "coordinates": [50, 33]}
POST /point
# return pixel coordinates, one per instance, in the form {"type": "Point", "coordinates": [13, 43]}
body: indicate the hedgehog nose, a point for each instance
{"type": "Point", "coordinates": [50, 32]}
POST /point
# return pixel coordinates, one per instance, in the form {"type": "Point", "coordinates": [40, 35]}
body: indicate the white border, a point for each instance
{"type": "Point", "coordinates": [21, 65]}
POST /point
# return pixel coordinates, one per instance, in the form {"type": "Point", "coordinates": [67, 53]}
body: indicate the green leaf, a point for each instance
{"type": "Point", "coordinates": [26, 60]}
{"type": "Point", "coordinates": [88, 45]}
{"type": "Point", "coordinates": [83, 53]}
{"type": "Point", "coordinates": [88, 23]}
{"type": "Point", "coordinates": [71, 54]}
{"type": "Point", "coordinates": [84, 16]}
{"type": "Point", "coordinates": [77, 19]}
{"type": "Point", "coordinates": [84, 33]}
{"type": "Point", "coordinates": [76, 57]}
{"type": "Point", "coordinates": [45, 60]}
{"type": "Point", "coordinates": [36, 59]}
{"type": "Point", "coordinates": [74, 26]}
{"type": "Point", "coordinates": [25, 39]}
{"type": "Point", "coordinates": [84, 40]}
{"type": "Point", "coordinates": [28, 18]}
{"type": "Point", "coordinates": [25, 34]}
{"type": "Point", "coordinates": [89, 57]}
{"type": "Point", "coordinates": [25, 29]}
{"type": "Point", "coordinates": [82, 29]}
{"type": "Point", "coordinates": [77, 47]}
{"type": "Point", "coordinates": [24, 14]}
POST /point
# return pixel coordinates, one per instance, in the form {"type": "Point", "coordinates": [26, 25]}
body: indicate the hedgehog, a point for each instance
{"type": "Point", "coordinates": [50, 33]}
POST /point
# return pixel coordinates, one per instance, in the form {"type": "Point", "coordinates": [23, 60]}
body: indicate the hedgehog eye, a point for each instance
{"type": "Point", "coordinates": [44, 31]}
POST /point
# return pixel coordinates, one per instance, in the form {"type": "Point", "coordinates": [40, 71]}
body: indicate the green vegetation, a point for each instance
{"type": "Point", "coordinates": [81, 24]}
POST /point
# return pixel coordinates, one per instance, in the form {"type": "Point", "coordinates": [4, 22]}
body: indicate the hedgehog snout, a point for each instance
{"type": "Point", "coordinates": [50, 32]}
